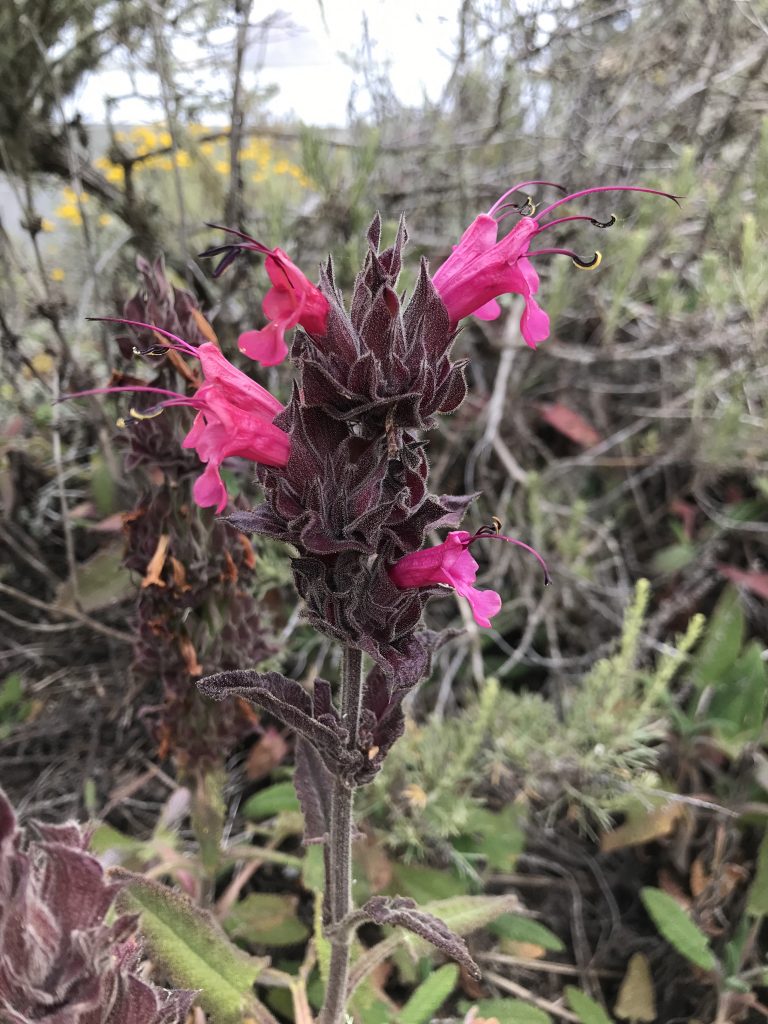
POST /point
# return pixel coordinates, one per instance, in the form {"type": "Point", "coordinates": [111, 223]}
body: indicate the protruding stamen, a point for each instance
{"type": "Point", "coordinates": [521, 184]}
{"type": "Point", "coordinates": [580, 262]}
{"type": "Point", "coordinates": [232, 250]}
{"type": "Point", "coordinates": [178, 343]}
{"type": "Point", "coordinates": [592, 264]}
{"type": "Point", "coordinates": [607, 188]}
{"type": "Point", "coordinates": [489, 533]}
{"type": "Point", "coordinates": [590, 220]}
{"type": "Point", "coordinates": [125, 387]}
{"type": "Point", "coordinates": [156, 352]}
{"type": "Point", "coordinates": [136, 414]}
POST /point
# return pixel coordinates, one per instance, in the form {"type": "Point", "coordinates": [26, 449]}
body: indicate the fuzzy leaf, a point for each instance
{"type": "Point", "coordinates": [722, 640]}
{"type": "Point", "coordinates": [314, 785]}
{"type": "Point", "coordinates": [517, 928]}
{"type": "Point", "coordinates": [757, 901]}
{"type": "Point", "coordinates": [587, 1009]}
{"type": "Point", "coordinates": [461, 914]}
{"type": "Point", "coordinates": [424, 883]}
{"type": "Point", "coordinates": [287, 701]}
{"type": "Point", "coordinates": [271, 801]}
{"type": "Point", "coordinates": [510, 1011]}
{"type": "Point", "coordinates": [429, 996]}
{"type": "Point", "coordinates": [678, 928]}
{"type": "Point", "coordinates": [404, 913]}
{"type": "Point", "coordinates": [192, 949]}
{"type": "Point", "coordinates": [266, 919]}
{"type": "Point", "coordinates": [101, 582]}
{"type": "Point", "coordinates": [636, 1001]}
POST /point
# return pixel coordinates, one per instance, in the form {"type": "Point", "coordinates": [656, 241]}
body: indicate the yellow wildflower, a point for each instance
{"type": "Point", "coordinates": [104, 220]}
{"type": "Point", "coordinates": [68, 211]}
{"type": "Point", "coordinates": [222, 166]}
{"type": "Point", "coordinates": [43, 362]}
{"type": "Point", "coordinates": [57, 274]}
{"type": "Point", "coordinates": [116, 174]}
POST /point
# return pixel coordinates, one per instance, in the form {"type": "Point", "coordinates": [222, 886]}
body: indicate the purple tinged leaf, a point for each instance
{"type": "Point", "coordinates": [314, 786]}
{"type": "Point", "coordinates": [403, 912]}
{"type": "Point", "coordinates": [59, 961]}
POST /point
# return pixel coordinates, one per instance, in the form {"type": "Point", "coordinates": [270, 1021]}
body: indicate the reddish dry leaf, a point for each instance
{"type": "Point", "coordinates": [179, 576]}
{"type": "Point", "coordinates": [569, 423]}
{"type": "Point", "coordinates": [250, 554]}
{"type": "Point", "coordinates": [699, 879]}
{"type": "Point", "coordinates": [112, 524]}
{"type": "Point", "coordinates": [686, 510]}
{"type": "Point", "coordinates": [183, 368]}
{"type": "Point", "coordinates": [265, 755]}
{"type": "Point", "coordinates": [204, 327]}
{"type": "Point", "coordinates": [670, 885]}
{"type": "Point", "coordinates": [230, 572]}
{"type": "Point", "coordinates": [83, 510]}
{"type": "Point", "coordinates": [189, 655]}
{"type": "Point", "coordinates": [756, 582]}
{"type": "Point", "coordinates": [153, 576]}
{"type": "Point", "coordinates": [643, 826]}
{"type": "Point", "coordinates": [375, 865]}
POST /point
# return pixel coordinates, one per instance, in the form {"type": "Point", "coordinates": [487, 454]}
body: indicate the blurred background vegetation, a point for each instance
{"type": "Point", "coordinates": [606, 739]}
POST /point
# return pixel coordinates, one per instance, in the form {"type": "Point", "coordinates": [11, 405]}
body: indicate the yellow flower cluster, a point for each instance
{"type": "Point", "coordinates": [144, 140]}
{"type": "Point", "coordinates": [69, 209]}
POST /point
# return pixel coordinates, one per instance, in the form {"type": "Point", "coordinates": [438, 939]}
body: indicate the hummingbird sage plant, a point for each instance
{"type": "Point", "coordinates": [344, 475]}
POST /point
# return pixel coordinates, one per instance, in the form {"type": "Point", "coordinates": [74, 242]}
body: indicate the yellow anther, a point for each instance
{"type": "Point", "coordinates": [372, 753]}
{"type": "Point", "coordinates": [593, 263]}
{"type": "Point", "coordinates": [120, 423]}
{"type": "Point", "coordinates": [136, 415]}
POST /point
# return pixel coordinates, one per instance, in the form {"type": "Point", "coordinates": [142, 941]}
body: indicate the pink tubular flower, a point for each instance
{"type": "Point", "coordinates": [234, 416]}
{"type": "Point", "coordinates": [480, 268]}
{"type": "Point", "coordinates": [291, 300]}
{"type": "Point", "coordinates": [451, 565]}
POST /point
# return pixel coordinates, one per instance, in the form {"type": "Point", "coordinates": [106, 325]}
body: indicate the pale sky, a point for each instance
{"type": "Point", "coordinates": [415, 40]}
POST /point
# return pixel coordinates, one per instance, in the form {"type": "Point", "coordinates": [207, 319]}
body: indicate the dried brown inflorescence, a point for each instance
{"type": "Point", "coordinates": [60, 961]}
{"type": "Point", "coordinates": [196, 609]}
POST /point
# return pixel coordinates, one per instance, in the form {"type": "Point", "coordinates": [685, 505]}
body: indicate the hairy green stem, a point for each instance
{"type": "Point", "coordinates": [339, 858]}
